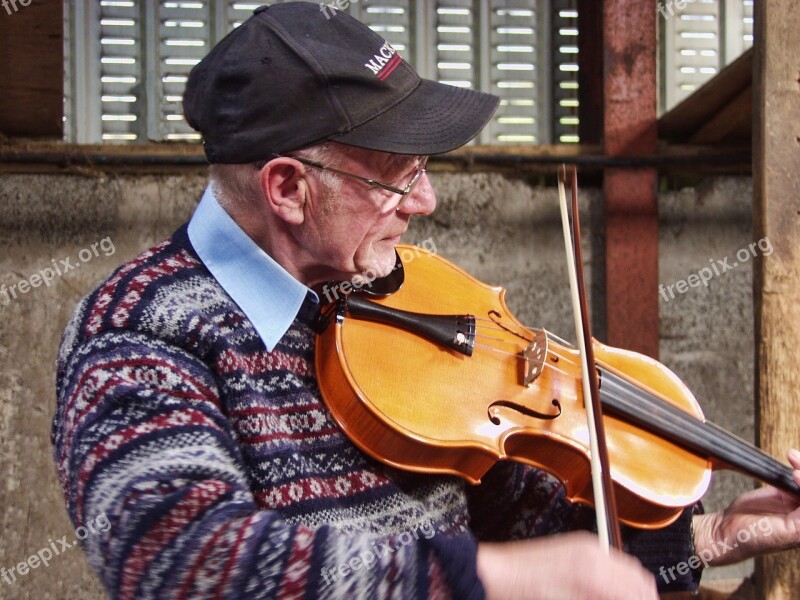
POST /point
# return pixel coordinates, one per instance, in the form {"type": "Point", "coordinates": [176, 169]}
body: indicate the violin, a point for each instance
{"type": "Point", "coordinates": [432, 373]}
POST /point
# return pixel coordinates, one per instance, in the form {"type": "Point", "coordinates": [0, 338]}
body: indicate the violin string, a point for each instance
{"type": "Point", "coordinates": [512, 329]}
{"type": "Point", "coordinates": [622, 393]}
{"type": "Point", "coordinates": [499, 326]}
{"type": "Point", "coordinates": [498, 350]}
{"type": "Point", "coordinates": [638, 404]}
{"type": "Point", "coordinates": [550, 335]}
{"type": "Point", "coordinates": [558, 369]}
{"type": "Point", "coordinates": [519, 356]}
{"type": "Point", "coordinates": [479, 334]}
{"type": "Point", "coordinates": [629, 398]}
{"type": "Point", "coordinates": [502, 330]}
{"type": "Point", "coordinates": [495, 328]}
{"type": "Point", "coordinates": [491, 337]}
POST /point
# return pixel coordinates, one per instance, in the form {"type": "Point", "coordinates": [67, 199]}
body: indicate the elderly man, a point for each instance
{"type": "Point", "coordinates": [188, 410]}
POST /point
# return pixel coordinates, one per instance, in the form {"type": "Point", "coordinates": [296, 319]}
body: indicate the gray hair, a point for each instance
{"type": "Point", "coordinates": [237, 187]}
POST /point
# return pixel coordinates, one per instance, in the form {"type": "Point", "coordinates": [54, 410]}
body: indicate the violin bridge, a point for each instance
{"type": "Point", "coordinates": [534, 355]}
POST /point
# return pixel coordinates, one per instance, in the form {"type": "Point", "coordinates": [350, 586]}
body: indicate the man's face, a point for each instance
{"type": "Point", "coordinates": [352, 229]}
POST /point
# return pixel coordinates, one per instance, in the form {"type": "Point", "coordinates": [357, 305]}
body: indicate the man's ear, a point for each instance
{"type": "Point", "coordinates": [285, 189]}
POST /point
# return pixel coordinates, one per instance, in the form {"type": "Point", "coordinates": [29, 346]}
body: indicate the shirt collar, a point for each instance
{"type": "Point", "coordinates": [269, 296]}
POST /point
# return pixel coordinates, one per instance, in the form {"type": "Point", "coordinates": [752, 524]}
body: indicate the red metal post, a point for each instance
{"type": "Point", "coordinates": [631, 216]}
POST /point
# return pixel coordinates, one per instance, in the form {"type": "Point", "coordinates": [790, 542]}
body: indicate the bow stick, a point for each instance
{"type": "Point", "coordinates": [602, 486]}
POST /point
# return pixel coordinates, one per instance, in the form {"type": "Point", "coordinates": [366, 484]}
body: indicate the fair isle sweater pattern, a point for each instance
{"type": "Point", "coordinates": [221, 470]}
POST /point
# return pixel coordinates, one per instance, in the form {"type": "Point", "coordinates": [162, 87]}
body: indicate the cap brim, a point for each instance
{"type": "Point", "coordinates": [432, 119]}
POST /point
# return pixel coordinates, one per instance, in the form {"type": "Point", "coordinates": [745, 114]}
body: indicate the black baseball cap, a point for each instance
{"type": "Point", "coordinates": [293, 75]}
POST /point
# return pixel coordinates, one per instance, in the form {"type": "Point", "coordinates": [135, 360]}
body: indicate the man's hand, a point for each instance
{"type": "Point", "coordinates": [757, 522]}
{"type": "Point", "coordinates": [570, 565]}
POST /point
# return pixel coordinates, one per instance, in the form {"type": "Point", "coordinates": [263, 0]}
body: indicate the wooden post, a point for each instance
{"type": "Point", "coordinates": [776, 277]}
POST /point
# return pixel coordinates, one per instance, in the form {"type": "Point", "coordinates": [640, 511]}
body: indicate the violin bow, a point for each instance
{"type": "Point", "coordinates": [604, 499]}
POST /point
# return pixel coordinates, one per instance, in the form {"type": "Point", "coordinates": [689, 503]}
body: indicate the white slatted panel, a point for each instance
{"type": "Point", "coordinates": [701, 39]}
{"type": "Point", "coordinates": [445, 46]}
{"type": "Point", "coordinates": [515, 48]}
{"type": "Point", "coordinates": [184, 37]}
{"type": "Point", "coordinates": [390, 19]}
{"type": "Point", "coordinates": [738, 28]}
{"type": "Point", "coordinates": [456, 38]}
{"type": "Point", "coordinates": [237, 13]}
{"type": "Point", "coordinates": [118, 89]}
{"type": "Point", "coordinates": [565, 72]}
{"type": "Point", "coordinates": [121, 82]}
{"type": "Point", "coordinates": [747, 24]}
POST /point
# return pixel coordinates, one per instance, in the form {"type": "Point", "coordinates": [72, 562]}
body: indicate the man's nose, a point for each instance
{"type": "Point", "coordinates": [421, 200]}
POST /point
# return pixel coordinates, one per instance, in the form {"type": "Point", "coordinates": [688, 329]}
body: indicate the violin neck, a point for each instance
{"type": "Point", "coordinates": [626, 401]}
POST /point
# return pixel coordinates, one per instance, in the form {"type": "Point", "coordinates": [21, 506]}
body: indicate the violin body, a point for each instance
{"type": "Point", "coordinates": [422, 406]}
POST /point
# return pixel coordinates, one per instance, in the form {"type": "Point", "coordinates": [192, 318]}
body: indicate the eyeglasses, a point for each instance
{"type": "Point", "coordinates": [417, 174]}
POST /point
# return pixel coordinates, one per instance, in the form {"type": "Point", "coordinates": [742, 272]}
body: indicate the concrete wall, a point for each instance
{"type": "Point", "coordinates": [501, 229]}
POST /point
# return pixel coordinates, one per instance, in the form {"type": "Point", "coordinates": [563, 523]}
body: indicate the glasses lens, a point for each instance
{"type": "Point", "coordinates": [419, 171]}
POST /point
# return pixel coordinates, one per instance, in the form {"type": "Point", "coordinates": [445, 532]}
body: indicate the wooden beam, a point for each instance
{"type": "Point", "coordinates": [56, 157]}
{"type": "Point", "coordinates": [631, 216]}
{"type": "Point", "coordinates": [732, 124]}
{"type": "Point", "coordinates": [696, 110]}
{"type": "Point", "coordinates": [32, 73]}
{"type": "Point", "coordinates": [776, 280]}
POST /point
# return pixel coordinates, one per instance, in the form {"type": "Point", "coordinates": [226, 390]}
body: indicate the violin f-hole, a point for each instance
{"type": "Point", "coordinates": [493, 411]}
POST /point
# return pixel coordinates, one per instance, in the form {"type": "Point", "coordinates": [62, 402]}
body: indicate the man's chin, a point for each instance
{"type": "Point", "coordinates": [381, 267]}
{"type": "Point", "coordinates": [376, 272]}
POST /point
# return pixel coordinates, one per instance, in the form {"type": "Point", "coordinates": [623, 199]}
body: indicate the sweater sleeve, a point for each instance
{"type": "Point", "coordinates": [142, 444]}
{"type": "Point", "coordinates": [535, 505]}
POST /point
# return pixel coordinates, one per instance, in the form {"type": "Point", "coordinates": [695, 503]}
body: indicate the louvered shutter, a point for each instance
{"type": "Point", "coordinates": [183, 34]}
{"type": "Point", "coordinates": [457, 40]}
{"type": "Point", "coordinates": [491, 46]}
{"type": "Point", "coordinates": [494, 46]}
{"type": "Point", "coordinates": [129, 60]}
{"type": "Point", "coordinates": [235, 13]}
{"type": "Point", "coordinates": [699, 40]}
{"type": "Point", "coordinates": [738, 28]}
{"type": "Point", "coordinates": [392, 20]}
{"type": "Point", "coordinates": [121, 81]}
{"type": "Point", "coordinates": [565, 71]}
{"type": "Point", "coordinates": [518, 52]}
{"type": "Point", "coordinates": [103, 76]}
{"type": "Point", "coordinates": [127, 64]}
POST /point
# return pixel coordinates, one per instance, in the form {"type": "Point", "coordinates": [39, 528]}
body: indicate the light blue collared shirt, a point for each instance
{"type": "Point", "coordinates": [264, 290]}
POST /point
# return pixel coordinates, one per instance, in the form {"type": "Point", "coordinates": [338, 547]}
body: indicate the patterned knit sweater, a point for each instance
{"type": "Point", "coordinates": [223, 474]}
